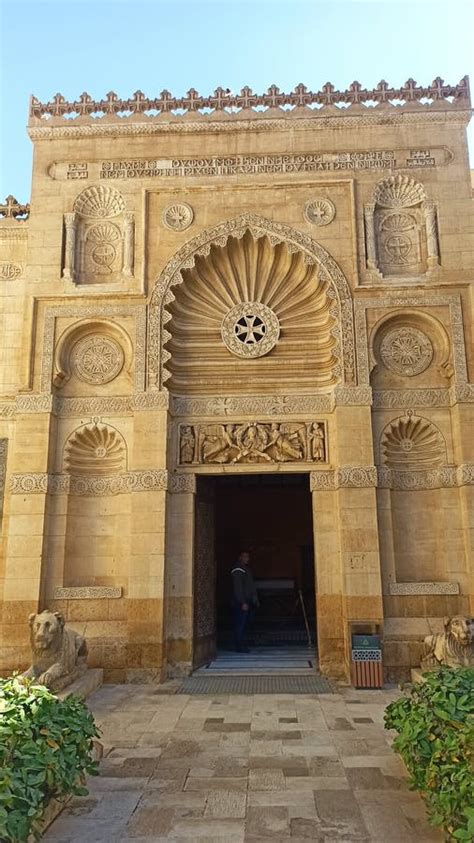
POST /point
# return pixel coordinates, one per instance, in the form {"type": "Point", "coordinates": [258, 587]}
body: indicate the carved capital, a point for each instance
{"type": "Point", "coordinates": [350, 476]}
{"type": "Point", "coordinates": [182, 483]}
{"type": "Point", "coordinates": [353, 396]}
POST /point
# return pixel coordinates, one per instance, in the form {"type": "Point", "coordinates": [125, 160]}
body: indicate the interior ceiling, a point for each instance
{"type": "Point", "coordinates": [250, 269]}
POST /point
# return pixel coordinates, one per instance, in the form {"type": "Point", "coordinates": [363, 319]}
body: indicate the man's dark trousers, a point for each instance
{"type": "Point", "coordinates": [240, 624]}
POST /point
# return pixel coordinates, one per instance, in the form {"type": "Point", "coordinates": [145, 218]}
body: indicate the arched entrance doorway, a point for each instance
{"type": "Point", "coordinates": [251, 331]}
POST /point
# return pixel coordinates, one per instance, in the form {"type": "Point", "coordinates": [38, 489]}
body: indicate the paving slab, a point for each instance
{"type": "Point", "coordinates": [236, 768]}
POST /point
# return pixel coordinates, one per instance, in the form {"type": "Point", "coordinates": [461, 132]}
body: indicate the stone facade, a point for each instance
{"type": "Point", "coordinates": [227, 290]}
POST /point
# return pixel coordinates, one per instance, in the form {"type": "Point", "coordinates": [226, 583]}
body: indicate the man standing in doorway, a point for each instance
{"type": "Point", "coordinates": [244, 599]}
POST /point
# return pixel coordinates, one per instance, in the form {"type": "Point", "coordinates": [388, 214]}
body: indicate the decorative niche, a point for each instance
{"type": "Point", "coordinates": [401, 232]}
{"type": "Point", "coordinates": [407, 346]}
{"type": "Point", "coordinates": [92, 354]}
{"type": "Point", "coordinates": [98, 238]}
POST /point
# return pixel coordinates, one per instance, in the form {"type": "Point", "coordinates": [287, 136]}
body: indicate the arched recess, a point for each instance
{"type": "Point", "coordinates": [409, 347]}
{"type": "Point", "coordinates": [307, 253]}
{"type": "Point", "coordinates": [94, 352]}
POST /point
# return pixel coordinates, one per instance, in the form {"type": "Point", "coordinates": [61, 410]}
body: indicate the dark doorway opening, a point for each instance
{"type": "Point", "coordinates": [270, 516]}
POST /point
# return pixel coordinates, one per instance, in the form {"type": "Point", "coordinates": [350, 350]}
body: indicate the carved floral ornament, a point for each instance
{"type": "Point", "coordinates": [10, 270]}
{"type": "Point", "coordinates": [205, 245]}
{"type": "Point", "coordinates": [89, 486]}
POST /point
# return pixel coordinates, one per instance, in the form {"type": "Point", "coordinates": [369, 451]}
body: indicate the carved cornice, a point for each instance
{"type": "Point", "coordinates": [182, 483]}
{"type": "Point", "coordinates": [7, 409]}
{"type": "Point", "coordinates": [34, 403]}
{"type": "Point", "coordinates": [402, 398]}
{"type": "Point", "coordinates": [349, 476]}
{"type": "Point", "coordinates": [117, 484]}
{"type": "Point", "coordinates": [353, 396]}
{"type": "Point", "coordinates": [264, 405]}
{"type": "Point", "coordinates": [409, 588]}
{"type": "Point", "coordinates": [94, 406]}
{"type": "Point", "coordinates": [365, 476]}
{"type": "Point", "coordinates": [320, 121]}
{"type": "Point", "coordinates": [437, 478]}
{"type": "Point", "coordinates": [462, 393]}
{"type": "Point", "coordinates": [13, 232]}
{"type": "Point", "coordinates": [438, 94]}
{"type": "Point", "coordinates": [93, 592]}
{"type": "Point", "coordinates": [389, 399]}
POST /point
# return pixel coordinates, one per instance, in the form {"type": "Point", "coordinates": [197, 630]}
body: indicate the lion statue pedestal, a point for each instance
{"type": "Point", "coordinates": [452, 648]}
{"type": "Point", "coordinates": [59, 655]}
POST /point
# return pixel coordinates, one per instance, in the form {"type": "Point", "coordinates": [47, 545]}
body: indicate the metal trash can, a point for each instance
{"type": "Point", "coordinates": [366, 666]}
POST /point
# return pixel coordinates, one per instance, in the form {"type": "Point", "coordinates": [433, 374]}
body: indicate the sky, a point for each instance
{"type": "Point", "coordinates": [96, 46]}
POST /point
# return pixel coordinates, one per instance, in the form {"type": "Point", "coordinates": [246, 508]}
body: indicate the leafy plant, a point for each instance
{"type": "Point", "coordinates": [46, 747]}
{"type": "Point", "coordinates": [435, 726]}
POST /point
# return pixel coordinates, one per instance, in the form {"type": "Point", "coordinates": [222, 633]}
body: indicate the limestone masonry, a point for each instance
{"type": "Point", "coordinates": [238, 284]}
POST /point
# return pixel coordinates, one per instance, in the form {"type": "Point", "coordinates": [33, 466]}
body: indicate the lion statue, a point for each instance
{"type": "Point", "coordinates": [59, 655]}
{"type": "Point", "coordinates": [451, 648]}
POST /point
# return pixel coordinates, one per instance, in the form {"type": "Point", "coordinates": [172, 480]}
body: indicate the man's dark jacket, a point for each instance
{"type": "Point", "coordinates": [244, 590]}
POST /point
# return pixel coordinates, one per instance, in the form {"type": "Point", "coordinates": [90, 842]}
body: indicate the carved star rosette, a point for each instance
{"type": "Point", "coordinates": [250, 329]}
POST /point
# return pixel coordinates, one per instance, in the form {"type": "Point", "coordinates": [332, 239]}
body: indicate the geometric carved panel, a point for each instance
{"type": "Point", "coordinates": [406, 351]}
{"type": "Point", "coordinates": [96, 359]}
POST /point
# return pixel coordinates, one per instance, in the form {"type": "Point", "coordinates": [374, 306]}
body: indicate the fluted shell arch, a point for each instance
{"type": "Point", "coordinates": [254, 260]}
{"type": "Point", "coordinates": [412, 442]}
{"type": "Point", "coordinates": [95, 449]}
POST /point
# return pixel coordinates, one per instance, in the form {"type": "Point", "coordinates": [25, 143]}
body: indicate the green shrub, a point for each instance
{"type": "Point", "coordinates": [46, 747]}
{"type": "Point", "coordinates": [435, 726]}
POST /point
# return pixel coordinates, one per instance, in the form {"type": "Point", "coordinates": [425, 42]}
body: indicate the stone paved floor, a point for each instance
{"type": "Point", "coordinates": [244, 768]}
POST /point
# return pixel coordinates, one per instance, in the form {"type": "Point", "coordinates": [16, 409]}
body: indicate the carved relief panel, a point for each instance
{"type": "Point", "coordinates": [99, 237]}
{"type": "Point", "coordinates": [252, 442]}
{"type": "Point", "coordinates": [401, 230]}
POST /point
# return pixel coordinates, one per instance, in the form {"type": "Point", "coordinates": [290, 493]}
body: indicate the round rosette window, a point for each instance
{"type": "Point", "coordinates": [250, 329]}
